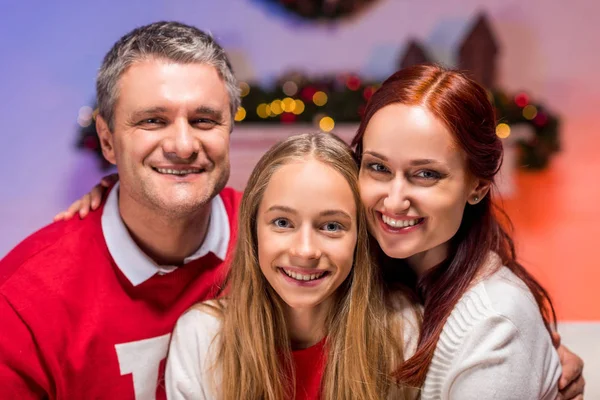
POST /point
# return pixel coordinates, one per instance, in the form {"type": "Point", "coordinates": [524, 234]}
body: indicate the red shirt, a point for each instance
{"type": "Point", "coordinates": [74, 326]}
{"type": "Point", "coordinates": [310, 366]}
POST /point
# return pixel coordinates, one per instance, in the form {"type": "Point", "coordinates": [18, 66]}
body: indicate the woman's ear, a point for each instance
{"type": "Point", "coordinates": [480, 190]}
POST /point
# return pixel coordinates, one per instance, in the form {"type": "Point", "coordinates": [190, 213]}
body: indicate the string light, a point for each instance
{"type": "Point", "coordinates": [299, 108]}
{"type": "Point", "coordinates": [290, 88]}
{"type": "Point", "coordinates": [263, 110]}
{"type": "Point", "coordinates": [244, 88]}
{"type": "Point", "coordinates": [326, 124]}
{"type": "Point", "coordinates": [320, 98]}
{"type": "Point", "coordinates": [240, 114]}
{"type": "Point", "coordinates": [276, 107]}
{"type": "Point", "coordinates": [502, 130]}
{"type": "Point", "coordinates": [521, 99]}
{"type": "Point", "coordinates": [288, 104]}
{"type": "Point", "coordinates": [529, 112]}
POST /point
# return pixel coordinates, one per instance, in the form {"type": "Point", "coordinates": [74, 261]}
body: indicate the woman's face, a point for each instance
{"type": "Point", "coordinates": [307, 231]}
{"type": "Point", "coordinates": [414, 184]}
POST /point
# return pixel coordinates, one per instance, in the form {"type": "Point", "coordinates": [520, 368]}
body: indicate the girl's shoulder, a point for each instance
{"type": "Point", "coordinates": [202, 320]}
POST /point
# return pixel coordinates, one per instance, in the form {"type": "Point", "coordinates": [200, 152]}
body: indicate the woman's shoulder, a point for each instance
{"type": "Point", "coordinates": [506, 295]}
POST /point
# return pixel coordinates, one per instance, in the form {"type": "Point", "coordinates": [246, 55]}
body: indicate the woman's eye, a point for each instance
{"type": "Point", "coordinates": [377, 167]}
{"type": "Point", "coordinates": [429, 174]}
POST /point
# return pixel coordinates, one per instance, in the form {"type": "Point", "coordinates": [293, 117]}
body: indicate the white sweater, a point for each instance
{"type": "Point", "coordinates": [190, 372]}
{"type": "Point", "coordinates": [494, 346]}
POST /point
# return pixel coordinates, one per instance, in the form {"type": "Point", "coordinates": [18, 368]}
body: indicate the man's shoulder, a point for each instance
{"type": "Point", "coordinates": [56, 245]}
{"type": "Point", "coordinates": [231, 198]}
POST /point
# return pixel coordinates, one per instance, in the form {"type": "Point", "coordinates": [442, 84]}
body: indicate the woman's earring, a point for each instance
{"type": "Point", "coordinates": [475, 199]}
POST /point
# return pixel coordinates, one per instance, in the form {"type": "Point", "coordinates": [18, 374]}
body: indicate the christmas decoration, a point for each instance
{"type": "Point", "coordinates": [327, 101]}
{"type": "Point", "coordinates": [338, 99]}
{"type": "Point", "coordinates": [322, 10]}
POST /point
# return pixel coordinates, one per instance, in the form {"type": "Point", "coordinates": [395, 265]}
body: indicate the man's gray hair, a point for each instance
{"type": "Point", "coordinates": [172, 41]}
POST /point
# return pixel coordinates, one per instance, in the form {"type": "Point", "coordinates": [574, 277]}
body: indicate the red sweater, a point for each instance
{"type": "Point", "coordinates": [309, 365]}
{"type": "Point", "coordinates": [74, 327]}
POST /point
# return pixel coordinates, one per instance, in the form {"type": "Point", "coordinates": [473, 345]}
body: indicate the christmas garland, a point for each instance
{"type": "Point", "coordinates": [342, 99]}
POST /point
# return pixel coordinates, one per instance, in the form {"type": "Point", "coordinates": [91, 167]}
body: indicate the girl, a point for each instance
{"type": "Point", "coordinates": [303, 313]}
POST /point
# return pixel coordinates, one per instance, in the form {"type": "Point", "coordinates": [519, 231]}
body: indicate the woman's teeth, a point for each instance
{"type": "Point", "coordinates": [400, 223]}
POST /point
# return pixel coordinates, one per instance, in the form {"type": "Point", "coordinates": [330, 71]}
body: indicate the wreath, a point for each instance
{"type": "Point", "coordinates": [324, 10]}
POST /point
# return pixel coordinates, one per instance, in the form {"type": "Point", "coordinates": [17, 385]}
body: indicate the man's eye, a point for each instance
{"type": "Point", "coordinates": [150, 122]}
{"type": "Point", "coordinates": [204, 123]}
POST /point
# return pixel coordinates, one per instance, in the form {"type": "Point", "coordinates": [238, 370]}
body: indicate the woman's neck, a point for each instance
{"type": "Point", "coordinates": [424, 261]}
{"type": "Point", "coordinates": [306, 326]}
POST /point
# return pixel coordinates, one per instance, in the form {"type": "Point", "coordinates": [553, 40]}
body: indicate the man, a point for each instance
{"type": "Point", "coordinates": [87, 306]}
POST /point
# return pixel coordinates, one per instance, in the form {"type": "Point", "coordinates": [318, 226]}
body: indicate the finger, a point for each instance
{"type": "Point", "coordinates": [109, 180]}
{"type": "Point", "coordinates": [574, 390]}
{"type": "Point", "coordinates": [59, 217]}
{"type": "Point", "coordinates": [555, 339]}
{"type": "Point", "coordinates": [96, 196]}
{"type": "Point", "coordinates": [570, 375]}
{"type": "Point", "coordinates": [73, 208]}
{"type": "Point", "coordinates": [84, 207]}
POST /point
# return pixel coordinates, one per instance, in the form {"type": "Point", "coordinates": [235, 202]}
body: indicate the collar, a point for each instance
{"type": "Point", "coordinates": [139, 267]}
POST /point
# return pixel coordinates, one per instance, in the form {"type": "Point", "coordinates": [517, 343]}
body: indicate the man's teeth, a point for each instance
{"type": "Point", "coordinates": [302, 277]}
{"type": "Point", "coordinates": [399, 223]}
{"type": "Point", "coordinates": [178, 171]}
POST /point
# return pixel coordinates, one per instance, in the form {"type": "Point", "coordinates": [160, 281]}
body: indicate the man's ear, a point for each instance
{"type": "Point", "coordinates": [480, 190]}
{"type": "Point", "coordinates": [106, 140]}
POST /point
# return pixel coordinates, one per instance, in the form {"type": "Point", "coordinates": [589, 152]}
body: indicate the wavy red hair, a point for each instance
{"type": "Point", "coordinates": [463, 106]}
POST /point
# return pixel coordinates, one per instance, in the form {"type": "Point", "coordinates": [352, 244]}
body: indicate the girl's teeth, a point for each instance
{"type": "Point", "coordinates": [399, 223]}
{"type": "Point", "coordinates": [301, 277]}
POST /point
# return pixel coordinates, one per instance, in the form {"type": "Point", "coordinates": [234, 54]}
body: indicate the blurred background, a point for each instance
{"type": "Point", "coordinates": [308, 65]}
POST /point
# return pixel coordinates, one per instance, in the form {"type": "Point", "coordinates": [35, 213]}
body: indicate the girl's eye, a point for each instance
{"type": "Point", "coordinates": [333, 227]}
{"type": "Point", "coordinates": [428, 174]}
{"type": "Point", "coordinates": [281, 223]}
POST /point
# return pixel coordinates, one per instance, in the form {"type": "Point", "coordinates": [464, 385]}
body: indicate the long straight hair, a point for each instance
{"type": "Point", "coordinates": [463, 106]}
{"type": "Point", "coordinates": [362, 344]}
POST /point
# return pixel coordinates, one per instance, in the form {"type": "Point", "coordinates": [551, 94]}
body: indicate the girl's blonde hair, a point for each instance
{"type": "Point", "coordinates": [254, 351]}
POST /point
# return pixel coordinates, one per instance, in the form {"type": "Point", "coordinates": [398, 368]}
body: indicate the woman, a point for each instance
{"type": "Point", "coordinates": [428, 154]}
{"type": "Point", "coordinates": [301, 291]}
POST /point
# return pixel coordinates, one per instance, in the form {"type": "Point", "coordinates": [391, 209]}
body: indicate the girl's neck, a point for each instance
{"type": "Point", "coordinates": [306, 326]}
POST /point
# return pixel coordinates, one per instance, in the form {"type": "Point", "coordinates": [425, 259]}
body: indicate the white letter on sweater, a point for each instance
{"type": "Point", "coordinates": [142, 359]}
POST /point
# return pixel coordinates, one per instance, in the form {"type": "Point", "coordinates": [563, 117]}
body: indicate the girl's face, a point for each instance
{"type": "Point", "coordinates": [307, 232]}
{"type": "Point", "coordinates": [414, 184]}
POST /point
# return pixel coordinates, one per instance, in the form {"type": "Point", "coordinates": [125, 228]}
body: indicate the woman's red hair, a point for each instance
{"type": "Point", "coordinates": [463, 106]}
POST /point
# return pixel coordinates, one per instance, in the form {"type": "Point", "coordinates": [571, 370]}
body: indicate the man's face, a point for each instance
{"type": "Point", "coordinates": [170, 140]}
